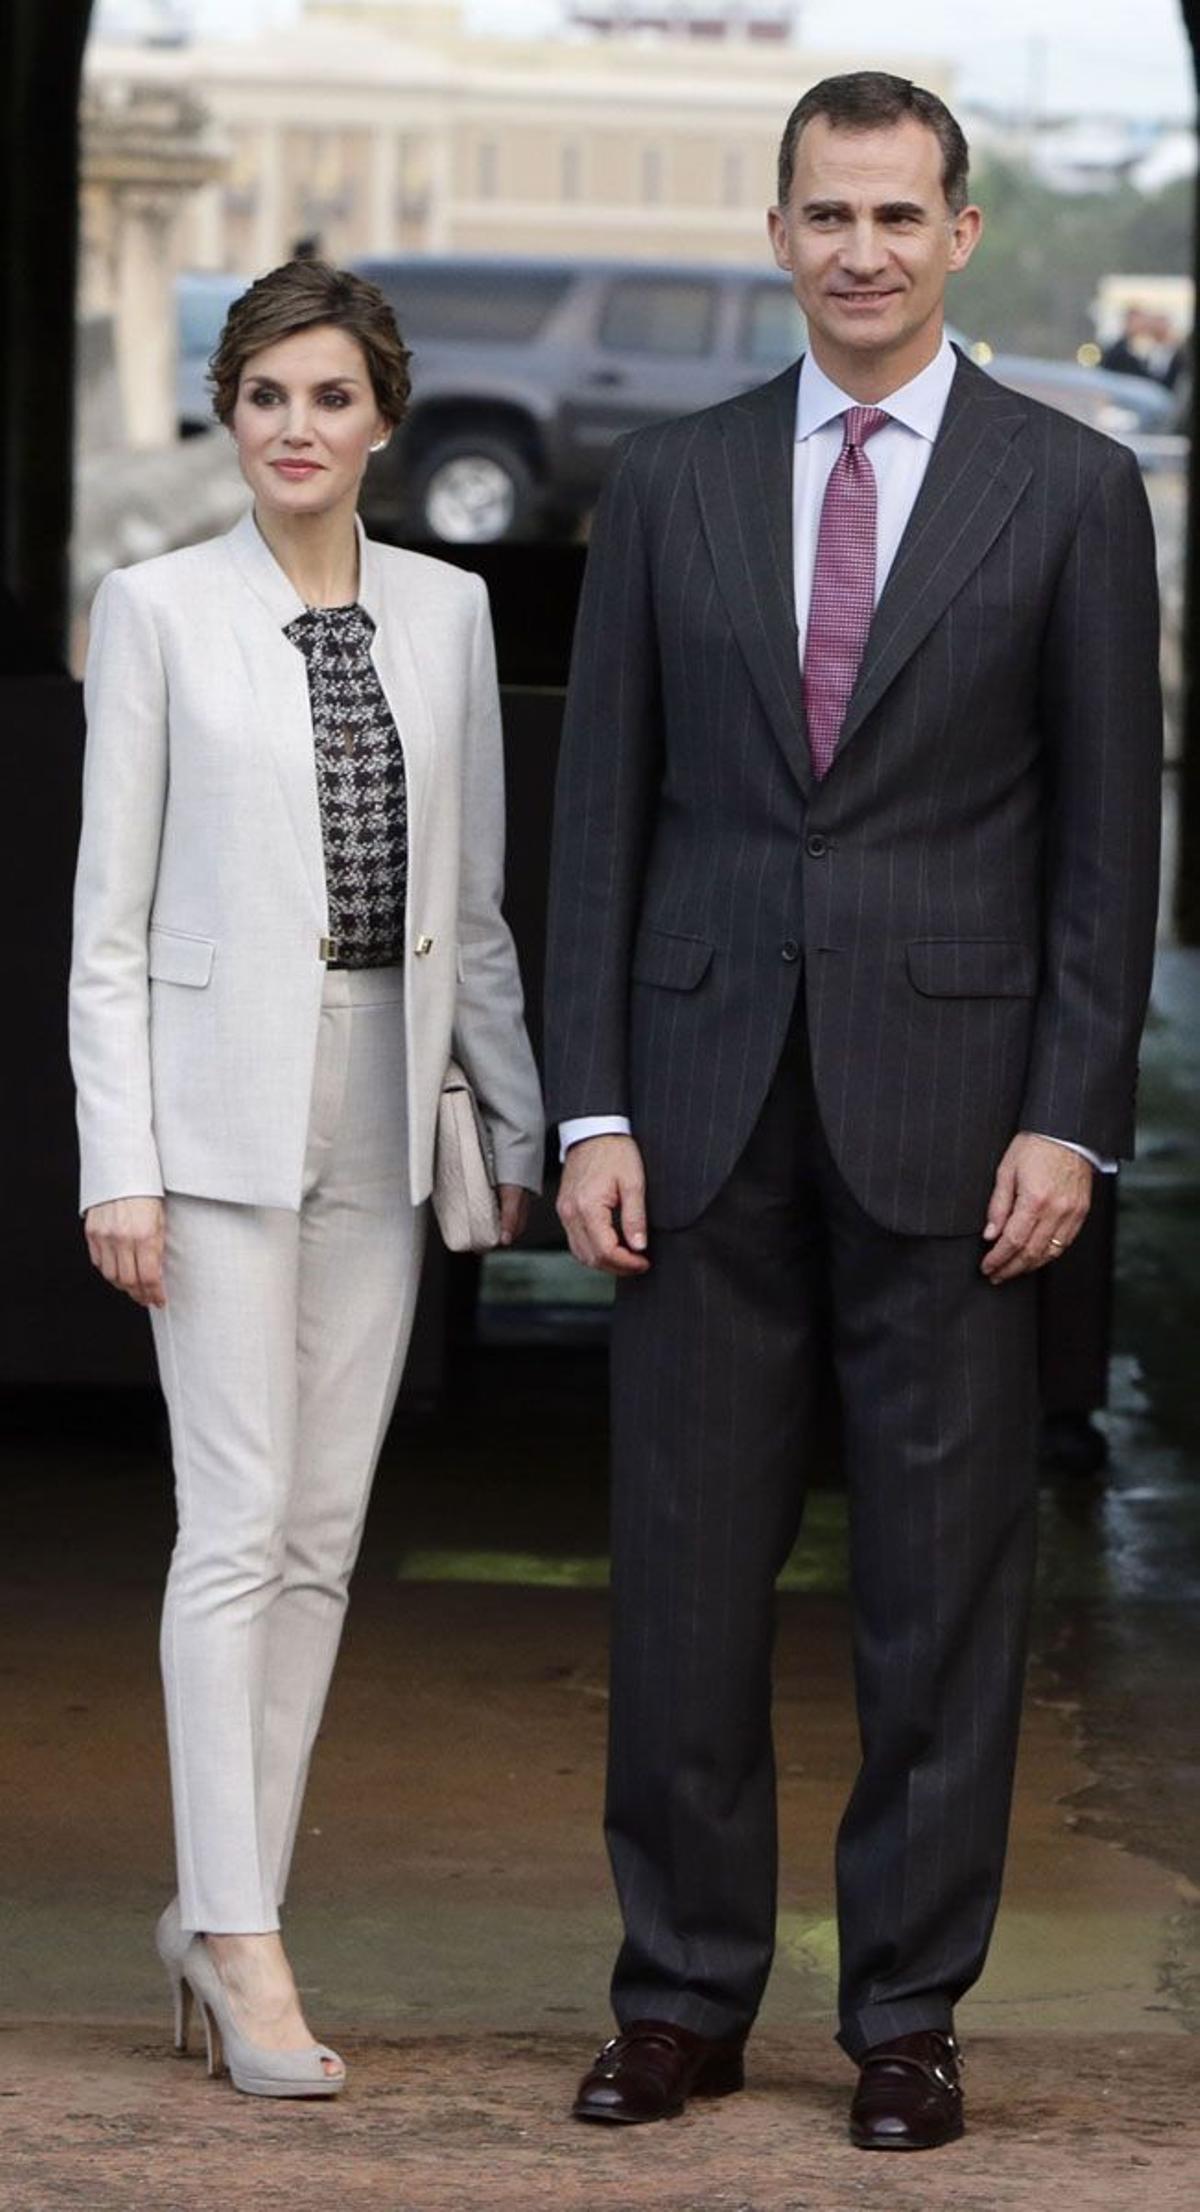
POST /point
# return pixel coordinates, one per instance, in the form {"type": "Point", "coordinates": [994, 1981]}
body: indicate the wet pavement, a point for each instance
{"type": "Point", "coordinates": [452, 1922]}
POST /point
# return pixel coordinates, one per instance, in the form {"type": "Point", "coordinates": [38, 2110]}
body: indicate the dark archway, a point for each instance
{"type": "Point", "coordinates": [1187, 901]}
{"type": "Point", "coordinates": [41, 59]}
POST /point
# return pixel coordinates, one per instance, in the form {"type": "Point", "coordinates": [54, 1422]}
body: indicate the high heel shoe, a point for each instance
{"type": "Point", "coordinates": [171, 1940]}
{"type": "Point", "coordinates": [257, 2072]}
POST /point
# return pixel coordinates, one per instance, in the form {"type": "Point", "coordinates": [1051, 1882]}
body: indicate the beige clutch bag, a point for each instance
{"type": "Point", "coordinates": [464, 1187]}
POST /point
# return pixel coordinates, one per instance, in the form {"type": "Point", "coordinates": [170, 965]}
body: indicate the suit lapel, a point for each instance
{"type": "Point", "coordinates": [743, 471]}
{"type": "Point", "coordinates": [974, 479]}
{"type": "Point", "coordinates": [278, 677]}
{"type": "Point", "coordinates": [397, 665]}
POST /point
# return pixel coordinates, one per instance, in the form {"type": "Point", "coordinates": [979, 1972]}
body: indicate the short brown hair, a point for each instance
{"type": "Point", "coordinates": [297, 296]}
{"type": "Point", "coordinates": [864, 100]}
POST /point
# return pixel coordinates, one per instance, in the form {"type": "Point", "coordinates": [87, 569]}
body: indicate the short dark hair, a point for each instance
{"type": "Point", "coordinates": [297, 296]}
{"type": "Point", "coordinates": [862, 101]}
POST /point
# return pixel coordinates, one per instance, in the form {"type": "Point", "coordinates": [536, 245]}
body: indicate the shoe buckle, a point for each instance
{"type": "Point", "coordinates": [946, 2070]}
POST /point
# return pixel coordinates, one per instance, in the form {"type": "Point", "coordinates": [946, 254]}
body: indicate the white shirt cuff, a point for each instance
{"type": "Point", "coordinates": [618, 1125]}
{"type": "Point", "coordinates": [591, 1125]}
{"type": "Point", "coordinates": [1102, 1167]}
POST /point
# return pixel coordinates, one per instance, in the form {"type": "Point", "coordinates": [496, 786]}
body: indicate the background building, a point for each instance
{"type": "Point", "coordinates": [383, 125]}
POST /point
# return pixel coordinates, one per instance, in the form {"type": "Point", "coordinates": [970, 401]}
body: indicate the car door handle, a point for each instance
{"type": "Point", "coordinates": [606, 376]}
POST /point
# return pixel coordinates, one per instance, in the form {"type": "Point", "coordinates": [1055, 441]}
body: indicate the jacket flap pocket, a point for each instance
{"type": "Point", "coordinates": [674, 963]}
{"type": "Point", "coordinates": [972, 967]}
{"type": "Point", "coordinates": [175, 958]}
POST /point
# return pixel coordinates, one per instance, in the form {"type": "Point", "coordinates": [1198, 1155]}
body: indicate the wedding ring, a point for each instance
{"type": "Point", "coordinates": [1057, 1245]}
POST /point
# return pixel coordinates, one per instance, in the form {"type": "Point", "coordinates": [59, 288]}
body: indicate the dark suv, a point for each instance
{"type": "Point", "coordinates": [525, 371]}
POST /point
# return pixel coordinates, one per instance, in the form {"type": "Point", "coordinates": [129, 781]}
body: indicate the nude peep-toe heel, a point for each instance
{"type": "Point", "coordinates": [256, 2072]}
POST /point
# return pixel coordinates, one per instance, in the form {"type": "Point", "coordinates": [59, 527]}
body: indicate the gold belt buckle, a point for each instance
{"type": "Point", "coordinates": [327, 949]}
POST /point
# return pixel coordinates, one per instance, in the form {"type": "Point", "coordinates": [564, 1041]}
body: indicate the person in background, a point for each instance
{"type": "Point", "coordinates": [287, 910]}
{"type": "Point", "coordinates": [1165, 358]}
{"type": "Point", "coordinates": [1126, 354]}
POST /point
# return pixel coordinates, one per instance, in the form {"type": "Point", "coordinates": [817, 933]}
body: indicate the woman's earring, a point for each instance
{"type": "Point", "coordinates": [378, 445]}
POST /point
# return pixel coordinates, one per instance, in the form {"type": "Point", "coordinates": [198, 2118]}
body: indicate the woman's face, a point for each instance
{"type": "Point", "coordinates": [305, 420]}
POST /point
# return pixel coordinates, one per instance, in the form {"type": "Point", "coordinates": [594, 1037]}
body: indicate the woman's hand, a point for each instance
{"type": "Point", "coordinates": [125, 1238]}
{"type": "Point", "coordinates": [514, 1211]}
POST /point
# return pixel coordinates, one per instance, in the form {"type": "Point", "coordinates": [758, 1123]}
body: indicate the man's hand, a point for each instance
{"type": "Point", "coordinates": [514, 1211]}
{"type": "Point", "coordinates": [125, 1238]}
{"type": "Point", "coordinates": [1037, 1208]}
{"type": "Point", "coordinates": [603, 1185]}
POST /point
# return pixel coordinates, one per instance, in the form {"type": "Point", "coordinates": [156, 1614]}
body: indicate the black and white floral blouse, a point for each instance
{"type": "Point", "coordinates": [360, 786]}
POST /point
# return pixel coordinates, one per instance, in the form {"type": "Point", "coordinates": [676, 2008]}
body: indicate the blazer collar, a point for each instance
{"type": "Point", "coordinates": [976, 474]}
{"type": "Point", "coordinates": [919, 405]}
{"type": "Point", "coordinates": [743, 473]}
{"type": "Point", "coordinates": [260, 569]}
{"type": "Point", "coordinates": [278, 678]}
{"type": "Point", "coordinates": [744, 484]}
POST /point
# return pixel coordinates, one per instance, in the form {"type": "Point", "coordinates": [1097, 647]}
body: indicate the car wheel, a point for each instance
{"type": "Point", "coordinates": [472, 491]}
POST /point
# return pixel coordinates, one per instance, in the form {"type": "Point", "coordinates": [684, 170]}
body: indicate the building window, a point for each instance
{"type": "Point", "coordinates": [487, 169]}
{"type": "Point", "coordinates": [571, 173]}
{"type": "Point", "coordinates": [652, 175]}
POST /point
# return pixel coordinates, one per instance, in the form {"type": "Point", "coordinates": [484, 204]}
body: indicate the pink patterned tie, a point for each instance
{"type": "Point", "coordinates": [843, 587]}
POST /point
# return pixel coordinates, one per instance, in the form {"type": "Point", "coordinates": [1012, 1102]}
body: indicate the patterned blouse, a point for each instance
{"type": "Point", "coordinates": [360, 786]}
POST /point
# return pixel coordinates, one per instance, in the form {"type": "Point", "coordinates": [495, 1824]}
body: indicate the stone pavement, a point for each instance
{"type": "Point", "coordinates": [475, 2124]}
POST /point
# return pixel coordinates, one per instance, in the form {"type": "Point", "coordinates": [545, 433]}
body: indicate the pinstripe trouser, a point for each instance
{"type": "Point", "coordinates": [715, 1358]}
{"type": "Point", "coordinates": [280, 1351]}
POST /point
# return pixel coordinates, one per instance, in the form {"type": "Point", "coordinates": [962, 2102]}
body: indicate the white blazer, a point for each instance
{"type": "Point", "coordinates": [200, 900]}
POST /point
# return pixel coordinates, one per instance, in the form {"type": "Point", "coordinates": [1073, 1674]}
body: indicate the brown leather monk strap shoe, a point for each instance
{"type": "Point", "coordinates": [909, 2095]}
{"type": "Point", "coordinates": [649, 2071]}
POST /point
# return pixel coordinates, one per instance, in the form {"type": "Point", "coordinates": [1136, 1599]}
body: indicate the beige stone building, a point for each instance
{"type": "Point", "coordinates": [382, 126]}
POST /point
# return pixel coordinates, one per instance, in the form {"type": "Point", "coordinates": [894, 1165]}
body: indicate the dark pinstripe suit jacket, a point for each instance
{"type": "Point", "coordinates": [969, 895]}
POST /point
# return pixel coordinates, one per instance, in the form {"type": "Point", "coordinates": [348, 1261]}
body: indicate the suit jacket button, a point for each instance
{"type": "Point", "coordinates": [789, 949]}
{"type": "Point", "coordinates": [816, 846]}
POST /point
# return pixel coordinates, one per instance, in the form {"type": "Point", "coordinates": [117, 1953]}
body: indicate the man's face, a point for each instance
{"type": "Point", "coordinates": [869, 240]}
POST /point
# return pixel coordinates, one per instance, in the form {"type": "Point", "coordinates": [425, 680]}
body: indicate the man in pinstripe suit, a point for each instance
{"type": "Point", "coordinates": [851, 933]}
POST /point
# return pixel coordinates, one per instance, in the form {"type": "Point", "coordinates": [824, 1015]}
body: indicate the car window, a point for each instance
{"type": "Point", "coordinates": [774, 330]}
{"type": "Point", "coordinates": [658, 315]}
{"type": "Point", "coordinates": [477, 300]}
{"type": "Point", "coordinates": [201, 310]}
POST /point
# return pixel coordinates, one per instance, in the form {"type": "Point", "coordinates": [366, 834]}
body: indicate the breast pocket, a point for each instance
{"type": "Point", "coordinates": [177, 957]}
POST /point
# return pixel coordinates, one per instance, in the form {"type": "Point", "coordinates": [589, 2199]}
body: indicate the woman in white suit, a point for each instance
{"type": "Point", "coordinates": [287, 912]}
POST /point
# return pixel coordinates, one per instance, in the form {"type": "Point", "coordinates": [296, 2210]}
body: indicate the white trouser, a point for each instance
{"type": "Point", "coordinates": [280, 1351]}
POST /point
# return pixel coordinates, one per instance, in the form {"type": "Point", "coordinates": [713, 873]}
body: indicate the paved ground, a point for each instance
{"type": "Point", "coordinates": [455, 2122]}
{"type": "Point", "coordinates": [452, 1921]}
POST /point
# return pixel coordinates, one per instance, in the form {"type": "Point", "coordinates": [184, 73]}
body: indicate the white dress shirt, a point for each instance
{"type": "Point", "coordinates": [899, 455]}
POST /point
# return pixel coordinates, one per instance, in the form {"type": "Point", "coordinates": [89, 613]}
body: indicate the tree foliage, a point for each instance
{"type": "Point", "coordinates": [1032, 282]}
